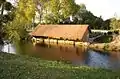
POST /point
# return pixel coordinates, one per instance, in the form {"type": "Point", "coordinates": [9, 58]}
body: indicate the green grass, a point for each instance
{"type": "Point", "coordinates": [25, 67]}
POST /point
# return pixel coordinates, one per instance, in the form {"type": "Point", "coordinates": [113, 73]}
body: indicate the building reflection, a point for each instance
{"type": "Point", "coordinates": [79, 56]}
{"type": "Point", "coordinates": [61, 52]}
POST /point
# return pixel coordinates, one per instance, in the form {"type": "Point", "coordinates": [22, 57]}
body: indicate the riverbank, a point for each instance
{"type": "Point", "coordinates": [24, 67]}
{"type": "Point", "coordinates": [112, 46]}
{"type": "Point", "coordinates": [105, 47]}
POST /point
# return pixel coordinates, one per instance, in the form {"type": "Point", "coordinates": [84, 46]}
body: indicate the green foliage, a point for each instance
{"type": "Point", "coordinates": [104, 39]}
{"type": "Point", "coordinates": [8, 6]}
{"type": "Point", "coordinates": [24, 67]}
{"type": "Point", "coordinates": [5, 18]}
{"type": "Point", "coordinates": [115, 23]}
{"type": "Point", "coordinates": [17, 29]}
{"type": "Point", "coordinates": [106, 24]}
{"type": "Point", "coordinates": [106, 46]}
{"type": "Point", "coordinates": [25, 10]}
{"type": "Point", "coordinates": [83, 16]}
{"type": "Point", "coordinates": [57, 10]}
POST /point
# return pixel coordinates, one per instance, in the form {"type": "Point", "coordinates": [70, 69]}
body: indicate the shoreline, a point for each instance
{"type": "Point", "coordinates": [106, 47]}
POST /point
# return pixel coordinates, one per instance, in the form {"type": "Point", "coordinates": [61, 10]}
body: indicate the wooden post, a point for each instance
{"type": "Point", "coordinates": [43, 40]}
{"type": "Point", "coordinates": [48, 42]}
{"type": "Point", "coordinates": [34, 41]}
{"type": "Point", "coordinates": [57, 41]}
{"type": "Point", "coordinates": [64, 41]}
{"type": "Point", "coordinates": [77, 51]}
{"type": "Point", "coordinates": [8, 48]}
{"type": "Point", "coordinates": [74, 43]}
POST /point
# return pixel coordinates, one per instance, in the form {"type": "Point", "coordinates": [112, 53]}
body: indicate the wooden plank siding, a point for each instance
{"type": "Point", "coordinates": [61, 34]}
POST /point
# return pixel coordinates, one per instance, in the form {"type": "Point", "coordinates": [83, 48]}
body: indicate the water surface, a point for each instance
{"type": "Point", "coordinates": [78, 56]}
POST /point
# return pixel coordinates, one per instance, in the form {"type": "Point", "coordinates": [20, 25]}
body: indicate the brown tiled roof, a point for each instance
{"type": "Point", "coordinates": [72, 32]}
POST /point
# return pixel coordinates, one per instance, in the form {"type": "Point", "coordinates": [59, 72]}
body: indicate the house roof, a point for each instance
{"type": "Point", "coordinates": [72, 32]}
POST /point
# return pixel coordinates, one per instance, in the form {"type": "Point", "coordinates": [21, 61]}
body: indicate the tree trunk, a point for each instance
{"type": "Point", "coordinates": [1, 15]}
{"type": "Point", "coordinates": [2, 10]}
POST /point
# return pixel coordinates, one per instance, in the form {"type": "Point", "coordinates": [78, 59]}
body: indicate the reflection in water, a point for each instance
{"type": "Point", "coordinates": [80, 56]}
{"type": "Point", "coordinates": [77, 51]}
{"type": "Point", "coordinates": [115, 59]}
{"type": "Point", "coordinates": [66, 52]}
{"type": "Point", "coordinates": [9, 48]}
{"type": "Point", "coordinates": [76, 55]}
{"type": "Point", "coordinates": [97, 59]}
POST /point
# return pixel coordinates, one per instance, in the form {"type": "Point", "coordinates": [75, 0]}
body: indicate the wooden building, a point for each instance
{"type": "Point", "coordinates": [60, 34]}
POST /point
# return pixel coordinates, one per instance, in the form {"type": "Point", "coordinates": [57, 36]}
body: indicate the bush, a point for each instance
{"type": "Point", "coordinates": [104, 39]}
{"type": "Point", "coordinates": [106, 46]}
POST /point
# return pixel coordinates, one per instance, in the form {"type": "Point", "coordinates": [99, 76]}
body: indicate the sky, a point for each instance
{"type": "Point", "coordinates": [104, 8]}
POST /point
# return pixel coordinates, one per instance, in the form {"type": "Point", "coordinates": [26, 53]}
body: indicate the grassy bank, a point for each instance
{"type": "Point", "coordinates": [107, 47]}
{"type": "Point", "coordinates": [24, 67]}
{"type": "Point", "coordinates": [104, 39]}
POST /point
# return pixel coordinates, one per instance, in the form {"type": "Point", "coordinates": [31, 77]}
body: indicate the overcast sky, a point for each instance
{"type": "Point", "coordinates": [105, 8]}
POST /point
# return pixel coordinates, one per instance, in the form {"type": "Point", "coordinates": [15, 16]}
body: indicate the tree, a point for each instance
{"type": "Point", "coordinates": [83, 16]}
{"type": "Point", "coordinates": [39, 5]}
{"type": "Point", "coordinates": [57, 10]}
{"type": "Point", "coordinates": [115, 23]}
{"type": "Point", "coordinates": [17, 29]}
{"type": "Point", "coordinates": [106, 24]}
{"type": "Point", "coordinates": [5, 18]}
{"type": "Point", "coordinates": [98, 23]}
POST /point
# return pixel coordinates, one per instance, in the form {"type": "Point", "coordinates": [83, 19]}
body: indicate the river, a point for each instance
{"type": "Point", "coordinates": [78, 56]}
